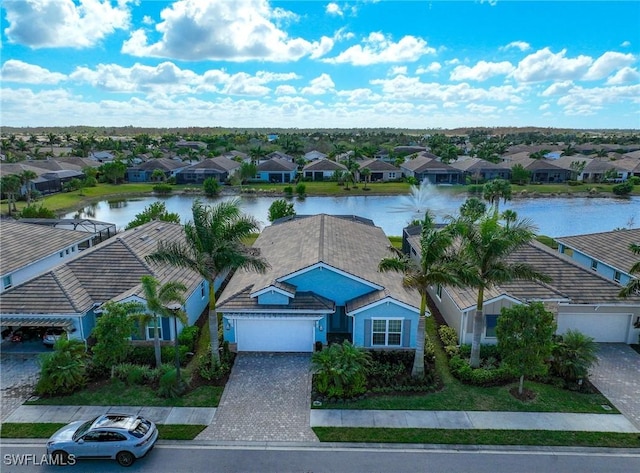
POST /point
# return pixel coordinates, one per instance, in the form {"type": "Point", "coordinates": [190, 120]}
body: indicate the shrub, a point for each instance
{"type": "Point", "coordinates": [486, 351]}
{"type": "Point", "coordinates": [64, 370]}
{"type": "Point", "coordinates": [168, 353]}
{"type": "Point", "coordinates": [448, 335]}
{"type": "Point", "coordinates": [133, 374]}
{"type": "Point", "coordinates": [31, 211]}
{"type": "Point", "coordinates": [169, 385]}
{"type": "Point", "coordinates": [212, 370]}
{"type": "Point", "coordinates": [623, 188]}
{"type": "Point", "coordinates": [478, 376]}
{"type": "Point", "coordinates": [189, 336]}
{"type": "Point", "coordinates": [211, 187]}
{"type": "Point", "coordinates": [340, 370]}
{"type": "Point", "coordinates": [288, 191]}
{"type": "Point", "coordinates": [572, 356]}
{"type": "Point", "coordinates": [301, 190]}
{"type": "Point", "coordinates": [162, 189]}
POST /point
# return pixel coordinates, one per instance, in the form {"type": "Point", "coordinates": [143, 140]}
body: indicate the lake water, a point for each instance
{"type": "Point", "coordinates": [553, 216]}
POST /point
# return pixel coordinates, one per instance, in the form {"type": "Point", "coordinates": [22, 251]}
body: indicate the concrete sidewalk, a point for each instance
{"type": "Point", "coordinates": [472, 420]}
{"type": "Point", "coordinates": [65, 414]}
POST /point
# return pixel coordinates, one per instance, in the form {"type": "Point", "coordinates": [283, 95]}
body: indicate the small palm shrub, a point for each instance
{"type": "Point", "coordinates": [64, 370]}
{"type": "Point", "coordinates": [572, 356]}
{"type": "Point", "coordinates": [341, 371]}
{"type": "Point", "coordinates": [212, 370]}
{"type": "Point", "coordinates": [132, 374]}
{"type": "Point", "coordinates": [170, 387]}
{"type": "Point", "coordinates": [493, 376]}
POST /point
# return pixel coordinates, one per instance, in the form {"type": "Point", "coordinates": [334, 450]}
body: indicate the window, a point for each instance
{"type": "Point", "coordinates": [151, 331]}
{"type": "Point", "coordinates": [386, 332]}
{"type": "Point", "coordinates": [392, 175]}
{"type": "Point", "coordinates": [62, 254]}
{"type": "Point", "coordinates": [490, 325]}
{"type": "Point", "coordinates": [202, 293]}
{"type": "Point", "coordinates": [616, 276]}
{"type": "Point", "coordinates": [439, 291]}
{"type": "Point", "coordinates": [594, 265]}
{"type": "Point", "coordinates": [6, 282]}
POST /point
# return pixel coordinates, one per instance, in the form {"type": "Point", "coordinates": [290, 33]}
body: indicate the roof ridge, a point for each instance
{"type": "Point", "coordinates": [63, 288]}
{"type": "Point", "coordinates": [143, 261]}
{"type": "Point", "coordinates": [321, 239]}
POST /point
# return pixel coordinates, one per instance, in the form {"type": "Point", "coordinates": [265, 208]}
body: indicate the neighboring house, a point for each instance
{"type": "Point", "coordinates": [380, 170]}
{"type": "Point", "coordinates": [28, 250]}
{"type": "Point", "coordinates": [279, 155]}
{"type": "Point", "coordinates": [54, 181]}
{"type": "Point", "coordinates": [480, 169]}
{"type": "Point", "coordinates": [546, 172]}
{"type": "Point", "coordinates": [102, 156]}
{"type": "Point", "coordinates": [144, 171]}
{"type": "Point", "coordinates": [219, 168]}
{"type": "Point", "coordinates": [426, 166]}
{"type": "Point", "coordinates": [322, 285]}
{"type": "Point", "coordinates": [566, 162]}
{"type": "Point", "coordinates": [579, 298]}
{"type": "Point", "coordinates": [71, 295]}
{"type": "Point", "coordinates": [322, 169]}
{"type": "Point", "coordinates": [196, 145]}
{"type": "Point", "coordinates": [314, 155]}
{"type": "Point", "coordinates": [606, 253]}
{"type": "Point", "coordinates": [52, 174]}
{"type": "Point", "coordinates": [277, 170]}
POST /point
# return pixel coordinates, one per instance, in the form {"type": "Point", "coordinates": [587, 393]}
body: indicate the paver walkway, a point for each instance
{"type": "Point", "coordinates": [617, 376]}
{"type": "Point", "coordinates": [267, 398]}
{"type": "Point", "coordinates": [18, 376]}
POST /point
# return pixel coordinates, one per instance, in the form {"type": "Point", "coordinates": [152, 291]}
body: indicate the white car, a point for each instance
{"type": "Point", "coordinates": [121, 437]}
{"type": "Point", "coordinates": [51, 336]}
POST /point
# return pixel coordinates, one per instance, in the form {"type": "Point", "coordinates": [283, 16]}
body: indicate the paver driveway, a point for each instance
{"type": "Point", "coordinates": [267, 398]}
{"type": "Point", "coordinates": [18, 376]}
{"type": "Point", "coordinates": [617, 376]}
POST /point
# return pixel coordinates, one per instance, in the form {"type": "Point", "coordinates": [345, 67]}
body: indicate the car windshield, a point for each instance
{"type": "Point", "coordinates": [83, 429]}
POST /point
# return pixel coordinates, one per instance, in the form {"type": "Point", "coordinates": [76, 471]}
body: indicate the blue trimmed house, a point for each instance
{"type": "Point", "coordinates": [323, 285]}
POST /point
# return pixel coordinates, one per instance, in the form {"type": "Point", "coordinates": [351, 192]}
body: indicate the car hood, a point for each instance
{"type": "Point", "coordinates": [65, 434]}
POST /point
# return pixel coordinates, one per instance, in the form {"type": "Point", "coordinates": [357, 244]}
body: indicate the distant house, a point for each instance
{"type": "Point", "coordinates": [579, 298]}
{"type": "Point", "coordinates": [145, 171]}
{"type": "Point", "coordinates": [219, 168]}
{"type": "Point", "coordinates": [71, 295]}
{"type": "Point", "coordinates": [322, 285]}
{"type": "Point", "coordinates": [545, 172]}
{"type": "Point", "coordinates": [427, 167]}
{"type": "Point", "coordinates": [279, 155]}
{"type": "Point", "coordinates": [606, 253]}
{"type": "Point", "coordinates": [314, 155]}
{"type": "Point", "coordinates": [322, 169]}
{"type": "Point", "coordinates": [277, 170]}
{"type": "Point", "coordinates": [380, 170]}
{"type": "Point", "coordinates": [196, 145]}
{"type": "Point", "coordinates": [476, 168]}
{"type": "Point", "coordinates": [102, 156]}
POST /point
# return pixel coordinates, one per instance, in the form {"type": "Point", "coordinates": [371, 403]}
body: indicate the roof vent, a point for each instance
{"type": "Point", "coordinates": [144, 237]}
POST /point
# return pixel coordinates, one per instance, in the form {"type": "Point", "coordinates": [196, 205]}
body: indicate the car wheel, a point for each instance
{"type": "Point", "coordinates": [60, 458]}
{"type": "Point", "coordinates": [125, 458]}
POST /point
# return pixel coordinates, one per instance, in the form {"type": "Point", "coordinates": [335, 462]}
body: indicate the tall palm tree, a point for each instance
{"type": "Point", "coordinates": [366, 174]}
{"type": "Point", "coordinates": [10, 186]}
{"type": "Point", "coordinates": [437, 266]}
{"type": "Point", "coordinates": [633, 286]}
{"type": "Point", "coordinates": [25, 178]}
{"type": "Point", "coordinates": [495, 190]}
{"type": "Point", "coordinates": [158, 297]}
{"type": "Point", "coordinates": [485, 247]}
{"type": "Point", "coordinates": [213, 245]}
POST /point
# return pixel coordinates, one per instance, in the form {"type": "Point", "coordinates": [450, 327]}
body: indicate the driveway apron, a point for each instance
{"type": "Point", "coordinates": [18, 376]}
{"type": "Point", "coordinates": [617, 376]}
{"type": "Point", "coordinates": [267, 398]}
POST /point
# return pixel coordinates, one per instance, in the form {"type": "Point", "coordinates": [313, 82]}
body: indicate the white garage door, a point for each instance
{"type": "Point", "coordinates": [280, 335]}
{"type": "Point", "coordinates": [602, 327]}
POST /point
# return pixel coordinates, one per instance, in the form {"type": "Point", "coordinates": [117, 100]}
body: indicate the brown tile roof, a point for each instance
{"type": "Point", "coordinates": [323, 164]}
{"type": "Point", "coordinates": [25, 243]}
{"type": "Point", "coordinates": [378, 165]}
{"type": "Point", "coordinates": [347, 244]}
{"type": "Point", "coordinates": [109, 270]}
{"type": "Point", "coordinates": [612, 248]}
{"type": "Point", "coordinates": [302, 302]}
{"type": "Point", "coordinates": [164, 164]}
{"type": "Point", "coordinates": [277, 164]}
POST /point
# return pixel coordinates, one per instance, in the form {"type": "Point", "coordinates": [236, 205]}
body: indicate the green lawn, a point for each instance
{"type": "Point", "coordinates": [43, 431]}
{"type": "Point", "coordinates": [479, 437]}
{"type": "Point", "coordinates": [116, 393]}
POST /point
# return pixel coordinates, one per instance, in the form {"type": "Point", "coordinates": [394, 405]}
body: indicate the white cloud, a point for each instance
{"type": "Point", "coordinates": [544, 65]}
{"type": "Point", "coordinates": [147, 20]}
{"type": "Point", "coordinates": [333, 9]}
{"type": "Point", "coordinates": [432, 68]}
{"type": "Point", "coordinates": [607, 63]}
{"type": "Point", "coordinates": [625, 44]}
{"type": "Point", "coordinates": [241, 30]}
{"type": "Point", "coordinates": [587, 101]}
{"type": "Point", "coordinates": [452, 62]}
{"type": "Point", "coordinates": [481, 71]}
{"type": "Point", "coordinates": [63, 23]}
{"type": "Point", "coordinates": [544, 106]}
{"type": "Point", "coordinates": [359, 96]}
{"type": "Point", "coordinates": [626, 75]}
{"type": "Point", "coordinates": [320, 85]}
{"type": "Point", "coordinates": [285, 90]}
{"type": "Point", "coordinates": [378, 48]}
{"type": "Point", "coordinates": [395, 70]}
{"type": "Point", "coordinates": [14, 70]}
{"type": "Point", "coordinates": [481, 109]}
{"type": "Point", "coordinates": [521, 45]}
{"type": "Point", "coordinates": [558, 88]}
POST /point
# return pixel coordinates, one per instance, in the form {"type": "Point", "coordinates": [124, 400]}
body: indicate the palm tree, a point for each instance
{"type": "Point", "coordinates": [25, 178]}
{"type": "Point", "coordinates": [436, 267]}
{"type": "Point", "coordinates": [158, 299]}
{"type": "Point", "coordinates": [633, 286]}
{"type": "Point", "coordinates": [213, 245]}
{"type": "Point", "coordinates": [485, 248]}
{"type": "Point", "coordinates": [495, 190]}
{"type": "Point", "coordinates": [366, 174]}
{"type": "Point", "coordinates": [10, 186]}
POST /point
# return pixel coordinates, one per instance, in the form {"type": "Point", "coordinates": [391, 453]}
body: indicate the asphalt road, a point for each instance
{"type": "Point", "coordinates": [179, 457]}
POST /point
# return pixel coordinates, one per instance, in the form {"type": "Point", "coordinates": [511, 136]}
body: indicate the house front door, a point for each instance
{"type": "Point", "coordinates": [339, 321]}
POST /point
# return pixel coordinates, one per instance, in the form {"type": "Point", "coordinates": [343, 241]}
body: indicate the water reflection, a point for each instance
{"type": "Point", "coordinates": [554, 216]}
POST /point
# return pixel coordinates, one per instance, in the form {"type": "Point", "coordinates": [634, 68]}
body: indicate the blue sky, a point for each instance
{"type": "Point", "coordinates": [258, 63]}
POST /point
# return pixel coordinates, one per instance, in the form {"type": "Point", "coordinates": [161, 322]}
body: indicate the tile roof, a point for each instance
{"type": "Point", "coordinates": [378, 165]}
{"type": "Point", "coordinates": [109, 270]}
{"type": "Point", "coordinates": [25, 243]}
{"type": "Point", "coordinates": [323, 164]}
{"type": "Point", "coordinates": [347, 244]}
{"type": "Point", "coordinates": [612, 248]}
{"type": "Point", "coordinates": [277, 164]}
{"type": "Point", "coordinates": [164, 164]}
